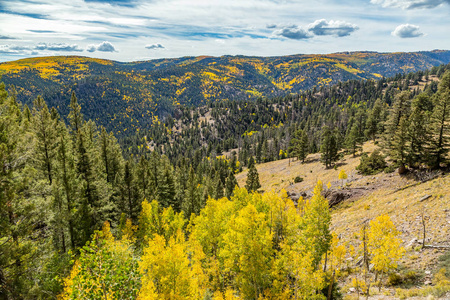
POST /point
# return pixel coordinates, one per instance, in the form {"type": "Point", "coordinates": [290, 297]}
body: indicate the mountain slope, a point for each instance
{"type": "Point", "coordinates": [123, 96]}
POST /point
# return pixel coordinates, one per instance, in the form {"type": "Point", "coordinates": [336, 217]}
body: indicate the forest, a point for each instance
{"type": "Point", "coordinates": [159, 215]}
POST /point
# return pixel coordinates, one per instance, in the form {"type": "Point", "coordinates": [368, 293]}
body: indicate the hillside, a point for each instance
{"type": "Point", "coordinates": [403, 198]}
{"type": "Point", "coordinates": [126, 96]}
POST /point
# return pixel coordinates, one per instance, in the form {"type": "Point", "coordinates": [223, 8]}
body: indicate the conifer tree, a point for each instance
{"type": "Point", "coordinates": [374, 120]}
{"type": "Point", "coordinates": [75, 116]}
{"type": "Point", "coordinates": [67, 178]}
{"type": "Point", "coordinates": [191, 202]}
{"type": "Point", "coordinates": [329, 147]}
{"type": "Point", "coordinates": [18, 213]}
{"type": "Point", "coordinates": [299, 145]}
{"type": "Point", "coordinates": [353, 140]}
{"type": "Point", "coordinates": [129, 191]}
{"type": "Point", "coordinates": [252, 184]}
{"type": "Point", "coordinates": [400, 109]}
{"type": "Point", "coordinates": [230, 184]}
{"type": "Point", "coordinates": [440, 123]}
{"type": "Point", "coordinates": [399, 143]}
{"type": "Point", "coordinates": [418, 130]}
{"type": "Point", "coordinates": [218, 187]}
{"type": "Point", "coordinates": [44, 129]}
{"type": "Point", "coordinates": [166, 185]}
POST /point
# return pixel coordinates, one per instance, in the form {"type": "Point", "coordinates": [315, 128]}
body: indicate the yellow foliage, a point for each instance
{"type": "Point", "coordinates": [383, 244]}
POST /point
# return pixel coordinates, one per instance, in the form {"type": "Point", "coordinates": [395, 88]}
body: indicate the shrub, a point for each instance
{"type": "Point", "coordinates": [394, 279]}
{"type": "Point", "coordinates": [373, 164]}
{"type": "Point", "coordinates": [298, 179]}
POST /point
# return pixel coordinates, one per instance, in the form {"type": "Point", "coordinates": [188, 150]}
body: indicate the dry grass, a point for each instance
{"type": "Point", "coordinates": [383, 195]}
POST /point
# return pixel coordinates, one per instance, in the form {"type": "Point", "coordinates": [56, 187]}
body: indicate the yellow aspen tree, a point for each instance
{"type": "Point", "coordinates": [208, 230]}
{"type": "Point", "coordinates": [342, 176]}
{"type": "Point", "coordinates": [170, 269]}
{"type": "Point", "coordinates": [384, 245]}
{"type": "Point", "coordinates": [315, 225]}
{"type": "Point", "coordinates": [248, 253]}
{"type": "Point", "coordinates": [106, 269]}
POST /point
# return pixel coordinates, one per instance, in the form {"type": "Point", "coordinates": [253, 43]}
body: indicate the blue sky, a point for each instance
{"type": "Point", "coordinates": [130, 30]}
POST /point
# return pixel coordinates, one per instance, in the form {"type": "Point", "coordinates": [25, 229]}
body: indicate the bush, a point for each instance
{"type": "Point", "coordinates": [394, 279]}
{"type": "Point", "coordinates": [373, 164]}
{"type": "Point", "coordinates": [298, 179]}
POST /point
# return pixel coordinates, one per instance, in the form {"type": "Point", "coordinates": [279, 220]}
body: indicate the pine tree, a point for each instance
{"type": "Point", "coordinates": [166, 185]}
{"type": "Point", "coordinates": [299, 145]}
{"type": "Point", "coordinates": [75, 116]}
{"type": "Point", "coordinates": [191, 202]}
{"type": "Point", "coordinates": [440, 123]}
{"type": "Point", "coordinates": [329, 147]}
{"type": "Point", "coordinates": [67, 178]}
{"type": "Point", "coordinates": [230, 184]}
{"type": "Point", "coordinates": [374, 120]}
{"type": "Point", "coordinates": [129, 191]}
{"type": "Point", "coordinates": [418, 130]}
{"type": "Point", "coordinates": [399, 143]}
{"type": "Point", "coordinates": [218, 187]}
{"type": "Point", "coordinates": [353, 140]}
{"type": "Point", "coordinates": [252, 184]}
{"type": "Point", "coordinates": [44, 129]}
{"type": "Point", "coordinates": [400, 109]}
{"type": "Point", "coordinates": [19, 213]}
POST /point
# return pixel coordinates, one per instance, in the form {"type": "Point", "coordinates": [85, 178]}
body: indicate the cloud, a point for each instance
{"type": "Point", "coordinates": [58, 47]}
{"type": "Point", "coordinates": [91, 48]}
{"type": "Point", "coordinates": [271, 26]}
{"type": "Point", "coordinates": [155, 47]}
{"type": "Point", "coordinates": [410, 4]}
{"type": "Point", "coordinates": [14, 49]}
{"type": "Point", "coordinates": [334, 28]}
{"type": "Point", "coordinates": [5, 37]}
{"type": "Point", "coordinates": [103, 47]}
{"type": "Point", "coordinates": [106, 47]}
{"type": "Point", "coordinates": [293, 32]}
{"type": "Point", "coordinates": [407, 31]}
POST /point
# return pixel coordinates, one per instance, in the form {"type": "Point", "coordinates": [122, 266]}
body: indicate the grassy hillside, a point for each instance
{"type": "Point", "coordinates": [125, 96]}
{"type": "Point", "coordinates": [401, 197]}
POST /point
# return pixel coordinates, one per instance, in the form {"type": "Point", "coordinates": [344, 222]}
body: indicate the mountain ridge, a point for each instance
{"type": "Point", "coordinates": [131, 94]}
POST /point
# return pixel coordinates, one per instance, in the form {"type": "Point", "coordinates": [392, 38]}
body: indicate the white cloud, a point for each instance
{"type": "Point", "coordinates": [102, 47]}
{"type": "Point", "coordinates": [407, 31]}
{"type": "Point", "coordinates": [334, 28]}
{"type": "Point", "coordinates": [58, 47]}
{"type": "Point", "coordinates": [410, 4]}
{"type": "Point", "coordinates": [293, 32]}
{"type": "Point", "coordinates": [155, 47]}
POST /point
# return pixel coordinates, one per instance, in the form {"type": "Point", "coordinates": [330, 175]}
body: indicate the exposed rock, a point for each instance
{"type": "Point", "coordinates": [428, 282]}
{"type": "Point", "coordinates": [411, 242]}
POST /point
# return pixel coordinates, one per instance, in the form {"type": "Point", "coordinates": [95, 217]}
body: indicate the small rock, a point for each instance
{"type": "Point", "coordinates": [425, 198]}
{"type": "Point", "coordinates": [428, 282]}
{"type": "Point", "coordinates": [427, 272]}
{"type": "Point", "coordinates": [352, 290]}
{"type": "Point", "coordinates": [411, 242]}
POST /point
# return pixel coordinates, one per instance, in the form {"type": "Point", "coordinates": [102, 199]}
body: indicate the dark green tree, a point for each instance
{"type": "Point", "coordinates": [252, 183]}
{"type": "Point", "coordinates": [299, 145]}
{"type": "Point", "coordinates": [440, 123]}
{"type": "Point", "coordinates": [329, 147]}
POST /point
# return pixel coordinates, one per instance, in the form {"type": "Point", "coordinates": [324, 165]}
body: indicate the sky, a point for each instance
{"type": "Point", "coordinates": [132, 30]}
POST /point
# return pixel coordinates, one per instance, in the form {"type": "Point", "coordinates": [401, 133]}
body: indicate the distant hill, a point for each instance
{"type": "Point", "coordinates": [125, 96]}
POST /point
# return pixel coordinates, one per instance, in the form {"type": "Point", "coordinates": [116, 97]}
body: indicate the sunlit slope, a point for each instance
{"type": "Point", "coordinates": [126, 96]}
{"type": "Point", "coordinates": [403, 198]}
